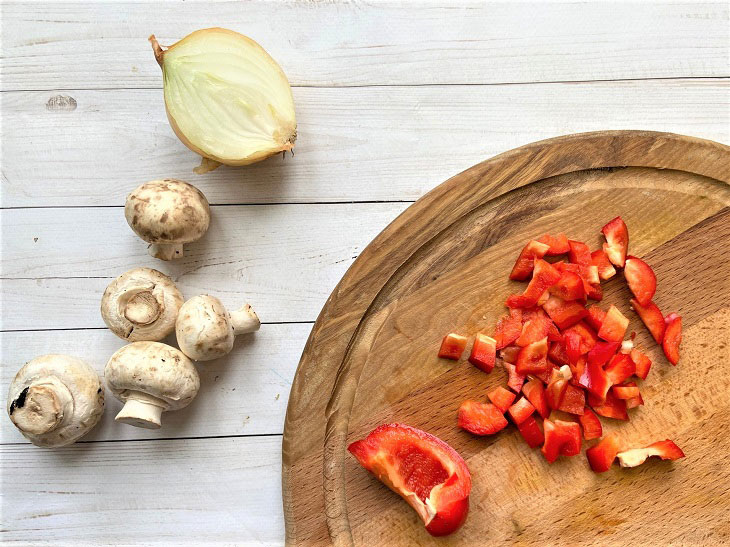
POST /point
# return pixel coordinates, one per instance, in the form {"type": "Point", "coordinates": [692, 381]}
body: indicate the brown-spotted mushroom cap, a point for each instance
{"type": "Point", "coordinates": [205, 330]}
{"type": "Point", "coordinates": [141, 304]}
{"type": "Point", "coordinates": [55, 399]}
{"type": "Point", "coordinates": [150, 378]}
{"type": "Point", "coordinates": [167, 213]}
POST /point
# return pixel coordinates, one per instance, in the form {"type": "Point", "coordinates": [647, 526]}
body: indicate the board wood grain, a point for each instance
{"type": "Point", "coordinates": [442, 266]}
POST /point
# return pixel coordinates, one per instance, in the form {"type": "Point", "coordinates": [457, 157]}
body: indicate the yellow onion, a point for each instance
{"type": "Point", "coordinates": [226, 98]}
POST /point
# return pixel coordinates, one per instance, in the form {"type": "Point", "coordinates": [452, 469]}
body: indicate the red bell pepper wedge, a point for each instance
{"type": "Point", "coordinates": [641, 362]}
{"type": "Point", "coordinates": [544, 277]}
{"type": "Point", "coordinates": [626, 391]}
{"type": "Point", "coordinates": [525, 262]}
{"type": "Point", "coordinates": [555, 390]}
{"type": "Point", "coordinates": [595, 317]}
{"type": "Point", "coordinates": [588, 336]}
{"type": "Point", "coordinates": [508, 328]}
{"type": "Point", "coordinates": [617, 241]}
{"type": "Point", "coordinates": [591, 425]}
{"type": "Point", "coordinates": [509, 354]}
{"type": "Point", "coordinates": [561, 439]}
{"type": "Point", "coordinates": [580, 254]}
{"type": "Point", "coordinates": [483, 353]}
{"type": "Point", "coordinates": [425, 471]}
{"type": "Point", "coordinates": [620, 368]}
{"type": "Point", "coordinates": [594, 291]}
{"type": "Point", "coordinates": [564, 313]}
{"type": "Point", "coordinates": [596, 381]}
{"type": "Point", "coordinates": [535, 393]}
{"type": "Point", "coordinates": [641, 279]}
{"type": "Point", "coordinates": [521, 410]}
{"type": "Point", "coordinates": [501, 398]}
{"type": "Point", "coordinates": [601, 456]}
{"type": "Point", "coordinates": [572, 346]}
{"type": "Point", "coordinates": [480, 418]}
{"type": "Point", "coordinates": [652, 318]}
{"type": "Point", "coordinates": [573, 401]}
{"type": "Point", "coordinates": [614, 325]}
{"type": "Point", "coordinates": [515, 379]}
{"type": "Point", "coordinates": [452, 346]}
{"type": "Point", "coordinates": [557, 353]}
{"type": "Point", "coordinates": [577, 369]}
{"type": "Point", "coordinates": [634, 402]}
{"type": "Point", "coordinates": [531, 432]}
{"type": "Point", "coordinates": [569, 286]}
{"type": "Point", "coordinates": [536, 326]}
{"type": "Point", "coordinates": [672, 338]}
{"type": "Point", "coordinates": [533, 358]}
{"type": "Point", "coordinates": [602, 352]}
{"type": "Point", "coordinates": [558, 244]}
{"type": "Point", "coordinates": [666, 450]}
{"type": "Point", "coordinates": [605, 269]}
{"type": "Point", "coordinates": [611, 407]}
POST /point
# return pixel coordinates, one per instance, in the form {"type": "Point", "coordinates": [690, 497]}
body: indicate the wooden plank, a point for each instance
{"type": "Point", "coordinates": [283, 259]}
{"type": "Point", "coordinates": [244, 393]}
{"type": "Point", "coordinates": [52, 45]}
{"type": "Point", "coordinates": [343, 152]}
{"type": "Point", "coordinates": [222, 491]}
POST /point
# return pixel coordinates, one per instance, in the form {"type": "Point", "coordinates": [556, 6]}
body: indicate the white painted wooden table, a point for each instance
{"type": "Point", "coordinates": [392, 99]}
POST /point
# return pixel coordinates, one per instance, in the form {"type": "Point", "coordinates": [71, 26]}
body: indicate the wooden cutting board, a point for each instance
{"type": "Point", "coordinates": [442, 266]}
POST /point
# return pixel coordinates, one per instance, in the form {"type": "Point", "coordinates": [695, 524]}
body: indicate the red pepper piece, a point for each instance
{"type": "Point", "coordinates": [666, 450]}
{"type": "Point", "coordinates": [594, 291]}
{"type": "Point", "coordinates": [515, 379]}
{"type": "Point", "coordinates": [508, 328]}
{"type": "Point", "coordinates": [573, 401]}
{"type": "Point", "coordinates": [642, 363]}
{"type": "Point", "coordinates": [595, 317]}
{"type": "Point", "coordinates": [544, 277]}
{"type": "Point", "coordinates": [672, 338]}
{"type": "Point", "coordinates": [521, 410]}
{"type": "Point", "coordinates": [480, 418]}
{"type": "Point", "coordinates": [537, 325]}
{"type": "Point", "coordinates": [605, 269]}
{"type": "Point", "coordinates": [591, 425]}
{"type": "Point", "coordinates": [483, 353]}
{"type": "Point", "coordinates": [531, 432]}
{"type": "Point", "coordinates": [564, 314]}
{"type": "Point", "coordinates": [501, 398]}
{"type": "Point", "coordinates": [641, 279]}
{"type": "Point", "coordinates": [557, 353]}
{"type": "Point", "coordinates": [545, 375]}
{"type": "Point", "coordinates": [452, 346]}
{"type": "Point", "coordinates": [533, 358]}
{"type": "Point", "coordinates": [580, 254]}
{"type": "Point", "coordinates": [588, 336]}
{"type": "Point", "coordinates": [652, 318]}
{"type": "Point", "coordinates": [558, 244]}
{"type": "Point", "coordinates": [525, 262]}
{"type": "Point", "coordinates": [602, 352]}
{"type": "Point", "coordinates": [620, 368]}
{"type": "Point", "coordinates": [417, 462]}
{"type": "Point", "coordinates": [510, 353]}
{"type": "Point", "coordinates": [617, 241]}
{"type": "Point", "coordinates": [577, 369]}
{"type": "Point", "coordinates": [561, 438]}
{"type": "Point", "coordinates": [601, 456]}
{"type": "Point", "coordinates": [614, 325]}
{"type": "Point", "coordinates": [634, 402]}
{"type": "Point", "coordinates": [611, 407]}
{"type": "Point", "coordinates": [596, 381]}
{"type": "Point", "coordinates": [572, 346]}
{"type": "Point", "coordinates": [555, 390]}
{"type": "Point", "coordinates": [626, 391]}
{"type": "Point", "coordinates": [535, 393]}
{"type": "Point", "coordinates": [569, 286]}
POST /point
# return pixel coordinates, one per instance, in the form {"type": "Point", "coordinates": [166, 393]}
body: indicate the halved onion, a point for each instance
{"type": "Point", "coordinates": [226, 98]}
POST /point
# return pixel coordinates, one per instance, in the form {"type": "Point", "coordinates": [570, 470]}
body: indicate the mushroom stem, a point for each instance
{"type": "Point", "coordinates": [142, 308]}
{"type": "Point", "coordinates": [40, 407]}
{"type": "Point", "coordinates": [141, 410]}
{"type": "Point", "coordinates": [166, 251]}
{"type": "Point", "coordinates": [245, 320]}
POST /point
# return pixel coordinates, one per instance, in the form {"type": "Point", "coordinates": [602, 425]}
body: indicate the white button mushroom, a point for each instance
{"type": "Point", "coordinates": [141, 304]}
{"type": "Point", "coordinates": [205, 329]}
{"type": "Point", "coordinates": [150, 378]}
{"type": "Point", "coordinates": [167, 213]}
{"type": "Point", "coordinates": [55, 400]}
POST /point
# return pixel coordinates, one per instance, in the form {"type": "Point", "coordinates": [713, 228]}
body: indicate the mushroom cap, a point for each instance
{"type": "Point", "coordinates": [79, 414]}
{"type": "Point", "coordinates": [141, 304]}
{"type": "Point", "coordinates": [155, 369]}
{"type": "Point", "coordinates": [167, 211]}
{"type": "Point", "coordinates": [203, 328]}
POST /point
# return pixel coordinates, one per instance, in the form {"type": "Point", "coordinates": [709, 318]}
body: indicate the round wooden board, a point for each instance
{"type": "Point", "coordinates": [442, 266]}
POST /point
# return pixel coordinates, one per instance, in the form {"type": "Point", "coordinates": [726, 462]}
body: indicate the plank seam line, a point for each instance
{"type": "Point", "coordinates": [253, 204]}
{"type": "Point", "coordinates": [104, 328]}
{"type": "Point", "coordinates": [192, 438]}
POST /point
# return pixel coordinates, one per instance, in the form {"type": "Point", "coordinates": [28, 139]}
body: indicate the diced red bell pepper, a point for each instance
{"type": "Point", "coordinates": [626, 391]}
{"type": "Point", "coordinates": [614, 325]}
{"type": "Point", "coordinates": [561, 438]}
{"type": "Point", "coordinates": [641, 279]}
{"type": "Point", "coordinates": [510, 353]}
{"type": "Point", "coordinates": [617, 241]}
{"type": "Point", "coordinates": [594, 291]}
{"type": "Point", "coordinates": [600, 260]}
{"type": "Point", "coordinates": [558, 244]}
{"type": "Point", "coordinates": [545, 375]}
{"type": "Point", "coordinates": [652, 318]}
{"type": "Point", "coordinates": [577, 369]}
{"type": "Point", "coordinates": [569, 286]}
{"type": "Point", "coordinates": [666, 450]}
{"type": "Point", "coordinates": [543, 298]}
{"type": "Point", "coordinates": [501, 398]}
{"type": "Point", "coordinates": [535, 327]}
{"type": "Point", "coordinates": [579, 254]}
{"type": "Point", "coordinates": [602, 352]}
{"type": "Point", "coordinates": [533, 358]}
{"type": "Point", "coordinates": [601, 456]}
{"type": "Point", "coordinates": [521, 410]}
{"type": "Point", "coordinates": [572, 346]}
{"type": "Point", "coordinates": [480, 418]}
{"type": "Point", "coordinates": [525, 262]}
{"type": "Point", "coordinates": [508, 328]}
{"type": "Point", "coordinates": [515, 379]}
{"type": "Point", "coordinates": [591, 425]}
{"type": "Point", "coordinates": [620, 368]}
{"type": "Point", "coordinates": [611, 407]}
{"type": "Point", "coordinates": [588, 336]}
{"type": "Point", "coordinates": [634, 402]}
{"type": "Point", "coordinates": [555, 390]}
{"type": "Point", "coordinates": [596, 381]}
{"type": "Point", "coordinates": [557, 353]}
{"type": "Point", "coordinates": [544, 277]}
{"type": "Point", "coordinates": [595, 317]}
{"type": "Point", "coordinates": [430, 475]}
{"type": "Point", "coordinates": [531, 432]}
{"type": "Point", "coordinates": [535, 393]}
{"type": "Point", "coordinates": [642, 363]}
{"type": "Point", "coordinates": [554, 334]}
{"type": "Point", "coordinates": [573, 401]}
{"type": "Point", "coordinates": [564, 313]}
{"type": "Point", "coordinates": [672, 338]}
{"type": "Point", "coordinates": [483, 353]}
{"type": "Point", "coordinates": [452, 346]}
